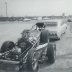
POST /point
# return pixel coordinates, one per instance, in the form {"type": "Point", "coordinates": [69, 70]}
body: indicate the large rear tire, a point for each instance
{"type": "Point", "coordinates": [32, 61]}
{"type": "Point", "coordinates": [6, 46]}
{"type": "Point", "coordinates": [44, 37]}
{"type": "Point", "coordinates": [51, 53]}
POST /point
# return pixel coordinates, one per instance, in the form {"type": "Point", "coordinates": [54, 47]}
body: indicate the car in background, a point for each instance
{"type": "Point", "coordinates": [56, 28]}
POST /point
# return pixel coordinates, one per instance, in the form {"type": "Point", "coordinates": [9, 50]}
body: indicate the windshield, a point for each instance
{"type": "Point", "coordinates": [51, 24]}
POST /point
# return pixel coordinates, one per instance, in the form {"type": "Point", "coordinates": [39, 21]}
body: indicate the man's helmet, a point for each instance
{"type": "Point", "coordinates": [40, 25]}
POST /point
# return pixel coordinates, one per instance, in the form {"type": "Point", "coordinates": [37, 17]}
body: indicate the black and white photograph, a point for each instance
{"type": "Point", "coordinates": [35, 35]}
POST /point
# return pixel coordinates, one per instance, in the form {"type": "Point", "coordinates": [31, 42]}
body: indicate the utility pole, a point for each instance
{"type": "Point", "coordinates": [6, 8]}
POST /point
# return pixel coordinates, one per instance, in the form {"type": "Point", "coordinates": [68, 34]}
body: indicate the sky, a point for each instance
{"type": "Point", "coordinates": [35, 7]}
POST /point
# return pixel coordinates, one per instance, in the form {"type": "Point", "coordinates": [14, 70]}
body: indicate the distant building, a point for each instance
{"type": "Point", "coordinates": [39, 18]}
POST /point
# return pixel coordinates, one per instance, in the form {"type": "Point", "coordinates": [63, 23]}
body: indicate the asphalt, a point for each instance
{"type": "Point", "coordinates": [63, 61]}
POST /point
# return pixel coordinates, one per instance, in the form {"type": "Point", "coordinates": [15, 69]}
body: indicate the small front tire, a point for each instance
{"type": "Point", "coordinates": [7, 45]}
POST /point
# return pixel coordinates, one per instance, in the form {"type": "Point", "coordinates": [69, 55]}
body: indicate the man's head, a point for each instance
{"type": "Point", "coordinates": [40, 25]}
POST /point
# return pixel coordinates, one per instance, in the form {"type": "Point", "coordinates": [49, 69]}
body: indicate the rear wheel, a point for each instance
{"type": "Point", "coordinates": [51, 53]}
{"type": "Point", "coordinates": [6, 46]}
{"type": "Point", "coordinates": [32, 61]}
{"type": "Point", "coordinates": [44, 37]}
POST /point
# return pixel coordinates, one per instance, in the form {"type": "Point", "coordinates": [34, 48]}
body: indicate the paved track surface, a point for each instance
{"type": "Point", "coordinates": [63, 61]}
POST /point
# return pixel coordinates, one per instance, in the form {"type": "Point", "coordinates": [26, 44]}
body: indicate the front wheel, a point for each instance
{"type": "Point", "coordinates": [51, 53]}
{"type": "Point", "coordinates": [32, 61]}
{"type": "Point", "coordinates": [7, 45]}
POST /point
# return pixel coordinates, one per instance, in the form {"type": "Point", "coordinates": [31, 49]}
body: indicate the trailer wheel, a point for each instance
{"type": "Point", "coordinates": [51, 53]}
{"type": "Point", "coordinates": [32, 61]}
{"type": "Point", "coordinates": [6, 46]}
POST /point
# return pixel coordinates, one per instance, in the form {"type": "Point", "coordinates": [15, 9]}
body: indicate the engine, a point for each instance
{"type": "Point", "coordinates": [11, 54]}
{"type": "Point", "coordinates": [18, 49]}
